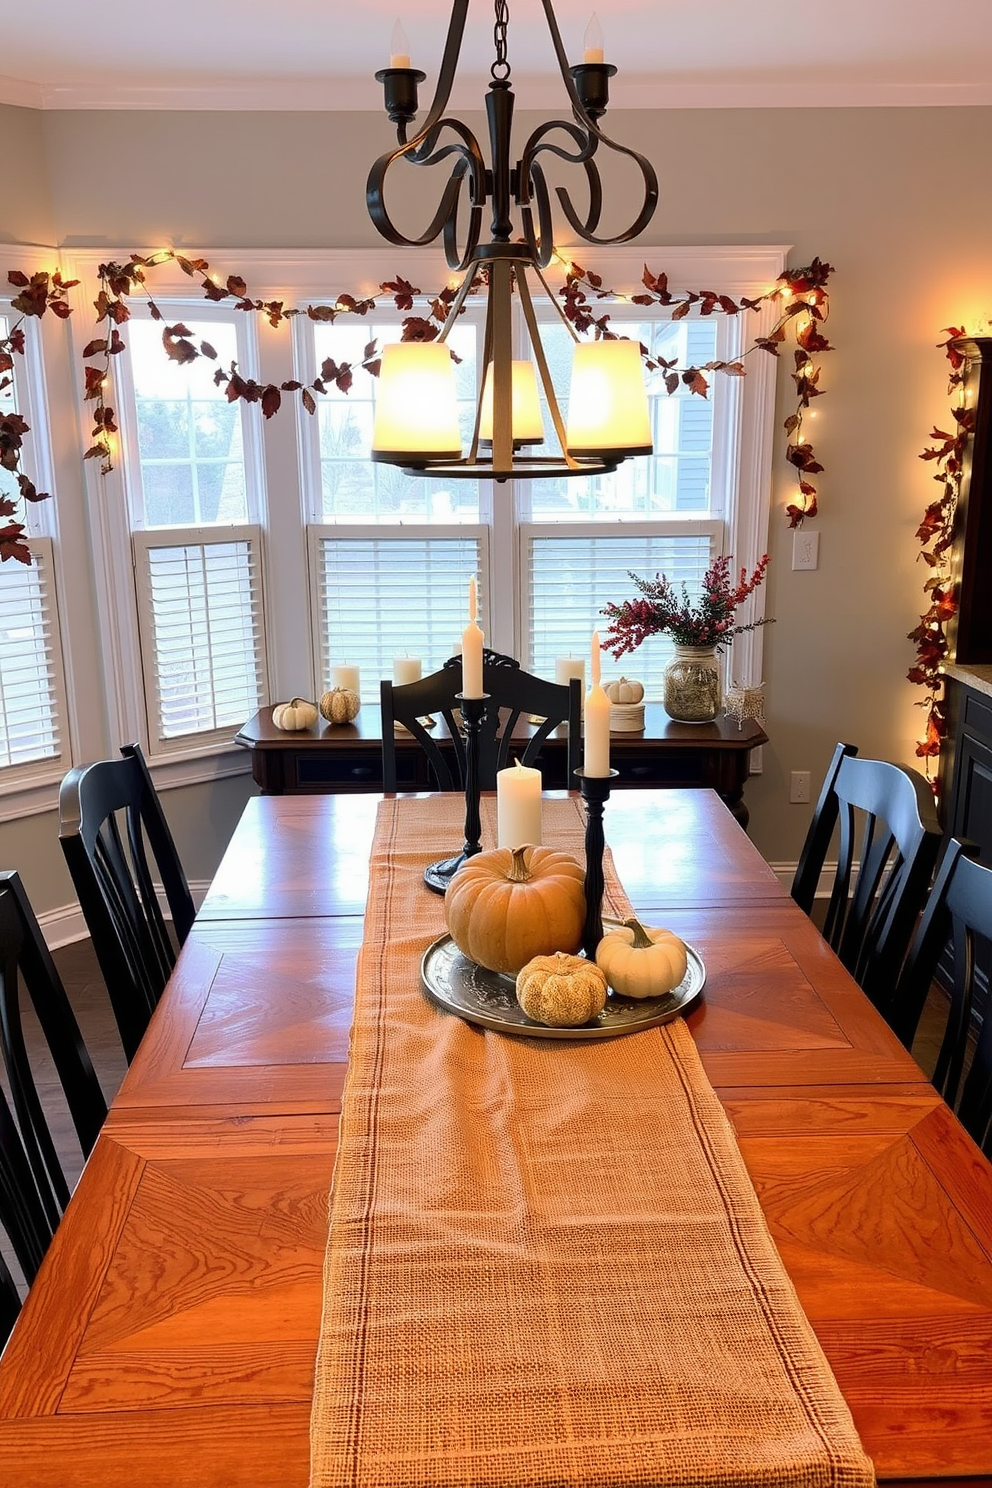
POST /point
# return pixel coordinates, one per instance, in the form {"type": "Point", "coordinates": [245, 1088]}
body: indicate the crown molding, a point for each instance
{"type": "Point", "coordinates": [354, 94]}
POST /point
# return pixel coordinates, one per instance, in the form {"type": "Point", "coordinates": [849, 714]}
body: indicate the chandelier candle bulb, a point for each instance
{"type": "Point", "coordinates": [592, 42]}
{"type": "Point", "coordinates": [472, 649]}
{"type": "Point", "coordinates": [518, 807]}
{"type": "Point", "coordinates": [399, 47]}
{"type": "Point", "coordinates": [346, 676]}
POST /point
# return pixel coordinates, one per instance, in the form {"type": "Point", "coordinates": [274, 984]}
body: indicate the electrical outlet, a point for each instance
{"type": "Point", "coordinates": [805, 549]}
{"type": "Point", "coordinates": [799, 787]}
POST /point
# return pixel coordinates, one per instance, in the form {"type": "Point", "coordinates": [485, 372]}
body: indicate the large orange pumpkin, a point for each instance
{"type": "Point", "coordinates": [505, 906]}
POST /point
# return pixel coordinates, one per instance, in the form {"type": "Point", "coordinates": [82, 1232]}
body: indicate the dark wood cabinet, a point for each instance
{"type": "Point", "coordinates": [967, 776]}
{"type": "Point", "coordinates": [966, 762]}
{"type": "Point", "coordinates": [972, 633]}
{"type": "Point", "coordinates": [348, 757]}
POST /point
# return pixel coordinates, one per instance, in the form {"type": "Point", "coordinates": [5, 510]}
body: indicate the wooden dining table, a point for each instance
{"type": "Point", "coordinates": [170, 1336]}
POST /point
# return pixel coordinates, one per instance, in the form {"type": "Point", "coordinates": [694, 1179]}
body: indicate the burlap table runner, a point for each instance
{"type": "Point", "coordinates": [546, 1264]}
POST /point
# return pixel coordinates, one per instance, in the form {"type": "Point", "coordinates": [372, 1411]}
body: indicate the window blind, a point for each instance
{"type": "Point", "coordinates": [201, 610]}
{"type": "Point", "coordinates": [31, 691]}
{"type": "Point", "coordinates": [382, 597]}
{"type": "Point", "coordinates": [571, 578]}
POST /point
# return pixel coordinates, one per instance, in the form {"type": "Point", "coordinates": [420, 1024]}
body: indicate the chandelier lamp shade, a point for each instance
{"type": "Point", "coordinates": [416, 420]}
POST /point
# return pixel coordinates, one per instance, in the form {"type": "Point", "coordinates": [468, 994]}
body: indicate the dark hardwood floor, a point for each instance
{"type": "Point", "coordinates": [84, 985]}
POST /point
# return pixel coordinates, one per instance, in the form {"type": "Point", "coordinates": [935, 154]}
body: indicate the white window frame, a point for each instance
{"type": "Point", "coordinates": [128, 681]}
{"type": "Point", "coordinates": [746, 422]}
{"type": "Point", "coordinates": [32, 787]}
{"type": "Point", "coordinates": [286, 445]}
{"type": "Point", "coordinates": [195, 537]}
{"type": "Point", "coordinates": [320, 532]}
{"type": "Point", "coordinates": [51, 768]}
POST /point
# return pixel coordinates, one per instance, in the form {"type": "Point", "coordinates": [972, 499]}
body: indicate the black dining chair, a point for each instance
{"type": "Point", "coordinates": [958, 919]}
{"type": "Point", "coordinates": [821, 830]}
{"type": "Point", "coordinates": [113, 830]}
{"type": "Point", "coordinates": [888, 838]}
{"type": "Point", "coordinates": [513, 694]}
{"type": "Point", "coordinates": [33, 1187]}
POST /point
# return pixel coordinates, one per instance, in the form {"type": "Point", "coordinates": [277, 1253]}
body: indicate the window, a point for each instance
{"type": "Point", "coordinates": [237, 559]}
{"type": "Point", "coordinates": [193, 488]}
{"type": "Point", "coordinates": [580, 538]}
{"type": "Point", "coordinates": [391, 554]}
{"type": "Point", "coordinates": [33, 711]}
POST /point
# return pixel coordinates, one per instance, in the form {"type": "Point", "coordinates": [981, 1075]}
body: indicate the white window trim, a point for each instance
{"type": "Point", "coordinates": [27, 790]}
{"type": "Point", "coordinates": [34, 775]}
{"type": "Point", "coordinates": [299, 277]}
{"type": "Point", "coordinates": [186, 746]}
{"type": "Point", "coordinates": [321, 532]}
{"type": "Point", "coordinates": [110, 527]}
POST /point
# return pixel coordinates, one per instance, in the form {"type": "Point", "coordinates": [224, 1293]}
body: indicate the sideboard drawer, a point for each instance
{"type": "Point", "coordinates": [333, 771]}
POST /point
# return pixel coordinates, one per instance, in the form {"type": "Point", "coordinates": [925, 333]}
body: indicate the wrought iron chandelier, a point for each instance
{"type": "Point", "coordinates": [416, 423]}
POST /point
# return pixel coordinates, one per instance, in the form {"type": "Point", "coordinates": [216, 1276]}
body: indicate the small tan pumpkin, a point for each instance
{"type": "Point", "coordinates": [340, 705]}
{"type": "Point", "coordinates": [298, 714]}
{"type": "Point", "coordinates": [505, 906]}
{"type": "Point", "coordinates": [641, 962]}
{"type": "Point", "coordinates": [625, 691]}
{"type": "Point", "coordinates": [562, 991]}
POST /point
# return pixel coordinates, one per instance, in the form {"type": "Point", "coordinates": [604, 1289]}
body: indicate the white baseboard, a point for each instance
{"type": "Point", "coordinates": [65, 925]}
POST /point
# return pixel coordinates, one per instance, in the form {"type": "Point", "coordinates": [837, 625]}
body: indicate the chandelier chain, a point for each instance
{"type": "Point", "coordinates": [500, 70]}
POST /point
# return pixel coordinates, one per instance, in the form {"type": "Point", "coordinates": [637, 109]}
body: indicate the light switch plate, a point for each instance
{"type": "Point", "coordinates": [805, 549]}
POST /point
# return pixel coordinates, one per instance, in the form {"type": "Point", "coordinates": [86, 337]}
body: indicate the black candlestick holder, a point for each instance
{"type": "Point", "coordinates": [595, 791]}
{"type": "Point", "coordinates": [437, 876]}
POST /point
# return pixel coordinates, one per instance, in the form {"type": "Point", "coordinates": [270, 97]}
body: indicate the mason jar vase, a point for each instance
{"type": "Point", "coordinates": [693, 691]}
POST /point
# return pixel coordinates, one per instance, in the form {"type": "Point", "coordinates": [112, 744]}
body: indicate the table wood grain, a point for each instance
{"type": "Point", "coordinates": [305, 856]}
{"type": "Point", "coordinates": [171, 1333]}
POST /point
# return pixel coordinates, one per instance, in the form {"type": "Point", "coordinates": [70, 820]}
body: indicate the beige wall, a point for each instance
{"type": "Point", "coordinates": [893, 198]}
{"type": "Point", "coordinates": [27, 208]}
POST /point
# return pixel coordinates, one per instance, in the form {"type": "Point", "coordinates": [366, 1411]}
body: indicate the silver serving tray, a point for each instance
{"type": "Point", "coordinates": [490, 999]}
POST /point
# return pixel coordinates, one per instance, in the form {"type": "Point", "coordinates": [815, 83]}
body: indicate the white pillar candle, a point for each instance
{"type": "Point", "coordinates": [567, 667]}
{"type": "Point", "coordinates": [596, 758]}
{"type": "Point", "coordinates": [518, 806]}
{"type": "Point", "coordinates": [472, 650]}
{"type": "Point", "coordinates": [346, 676]}
{"type": "Point", "coordinates": [406, 669]}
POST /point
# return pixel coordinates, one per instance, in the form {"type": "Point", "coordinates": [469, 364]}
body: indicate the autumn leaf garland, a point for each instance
{"type": "Point", "coordinates": [41, 292]}
{"type": "Point", "coordinates": [936, 534]}
{"type": "Point", "coordinates": [804, 312]}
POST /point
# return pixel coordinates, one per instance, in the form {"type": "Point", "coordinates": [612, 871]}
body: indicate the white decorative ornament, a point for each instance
{"type": "Point", "coordinates": [745, 702]}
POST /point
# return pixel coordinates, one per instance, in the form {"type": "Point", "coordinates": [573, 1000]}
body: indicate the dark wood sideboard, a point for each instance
{"type": "Point", "coordinates": [966, 761]}
{"type": "Point", "coordinates": [348, 757]}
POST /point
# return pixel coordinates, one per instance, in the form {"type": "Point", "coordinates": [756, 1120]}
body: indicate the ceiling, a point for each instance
{"type": "Point", "coordinates": [321, 54]}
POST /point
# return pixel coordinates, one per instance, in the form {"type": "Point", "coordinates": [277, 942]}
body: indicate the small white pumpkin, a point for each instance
{"type": "Point", "coordinates": [641, 962]}
{"type": "Point", "coordinates": [625, 691]}
{"type": "Point", "coordinates": [340, 705]}
{"type": "Point", "coordinates": [295, 715]}
{"type": "Point", "coordinates": [560, 990]}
